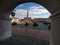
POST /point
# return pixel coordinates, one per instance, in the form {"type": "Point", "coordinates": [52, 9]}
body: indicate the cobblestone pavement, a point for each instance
{"type": "Point", "coordinates": [26, 36]}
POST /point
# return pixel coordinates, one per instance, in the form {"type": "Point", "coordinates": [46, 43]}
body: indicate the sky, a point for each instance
{"type": "Point", "coordinates": [35, 11]}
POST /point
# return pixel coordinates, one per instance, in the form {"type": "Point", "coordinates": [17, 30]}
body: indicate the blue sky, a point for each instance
{"type": "Point", "coordinates": [26, 5]}
{"type": "Point", "coordinates": [35, 11]}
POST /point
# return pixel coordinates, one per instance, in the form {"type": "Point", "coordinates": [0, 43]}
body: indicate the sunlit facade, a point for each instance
{"type": "Point", "coordinates": [16, 20]}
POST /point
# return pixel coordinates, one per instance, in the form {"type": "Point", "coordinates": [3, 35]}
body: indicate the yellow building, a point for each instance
{"type": "Point", "coordinates": [36, 19]}
{"type": "Point", "coordinates": [48, 20]}
{"type": "Point", "coordinates": [42, 19]}
{"type": "Point", "coordinates": [16, 20]}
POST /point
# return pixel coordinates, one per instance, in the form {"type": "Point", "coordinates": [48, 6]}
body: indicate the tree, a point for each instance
{"type": "Point", "coordinates": [26, 24]}
{"type": "Point", "coordinates": [12, 14]}
{"type": "Point", "coordinates": [35, 24]}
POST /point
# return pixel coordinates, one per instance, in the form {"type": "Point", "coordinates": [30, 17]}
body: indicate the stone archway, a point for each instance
{"type": "Point", "coordinates": [51, 5]}
{"type": "Point", "coordinates": [6, 6]}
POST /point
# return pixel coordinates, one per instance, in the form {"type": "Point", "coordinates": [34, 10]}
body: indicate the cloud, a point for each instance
{"type": "Point", "coordinates": [20, 13]}
{"type": "Point", "coordinates": [43, 15]}
{"type": "Point", "coordinates": [34, 12]}
{"type": "Point", "coordinates": [38, 10]}
{"type": "Point", "coordinates": [37, 7]}
{"type": "Point", "coordinates": [35, 17]}
{"type": "Point", "coordinates": [21, 5]}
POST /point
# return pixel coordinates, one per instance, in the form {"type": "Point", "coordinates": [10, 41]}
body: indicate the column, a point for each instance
{"type": "Point", "coordinates": [5, 27]}
{"type": "Point", "coordinates": [55, 30]}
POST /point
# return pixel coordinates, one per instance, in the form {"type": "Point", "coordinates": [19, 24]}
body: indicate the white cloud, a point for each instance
{"type": "Point", "coordinates": [37, 7]}
{"type": "Point", "coordinates": [20, 13]}
{"type": "Point", "coordinates": [38, 10]}
{"type": "Point", "coordinates": [21, 5]}
{"type": "Point", "coordinates": [35, 17]}
{"type": "Point", "coordinates": [34, 12]}
{"type": "Point", "coordinates": [45, 15]}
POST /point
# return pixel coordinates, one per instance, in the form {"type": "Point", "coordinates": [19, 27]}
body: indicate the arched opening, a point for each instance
{"type": "Point", "coordinates": [32, 12]}
{"type": "Point", "coordinates": [35, 12]}
{"type": "Point", "coordinates": [51, 5]}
